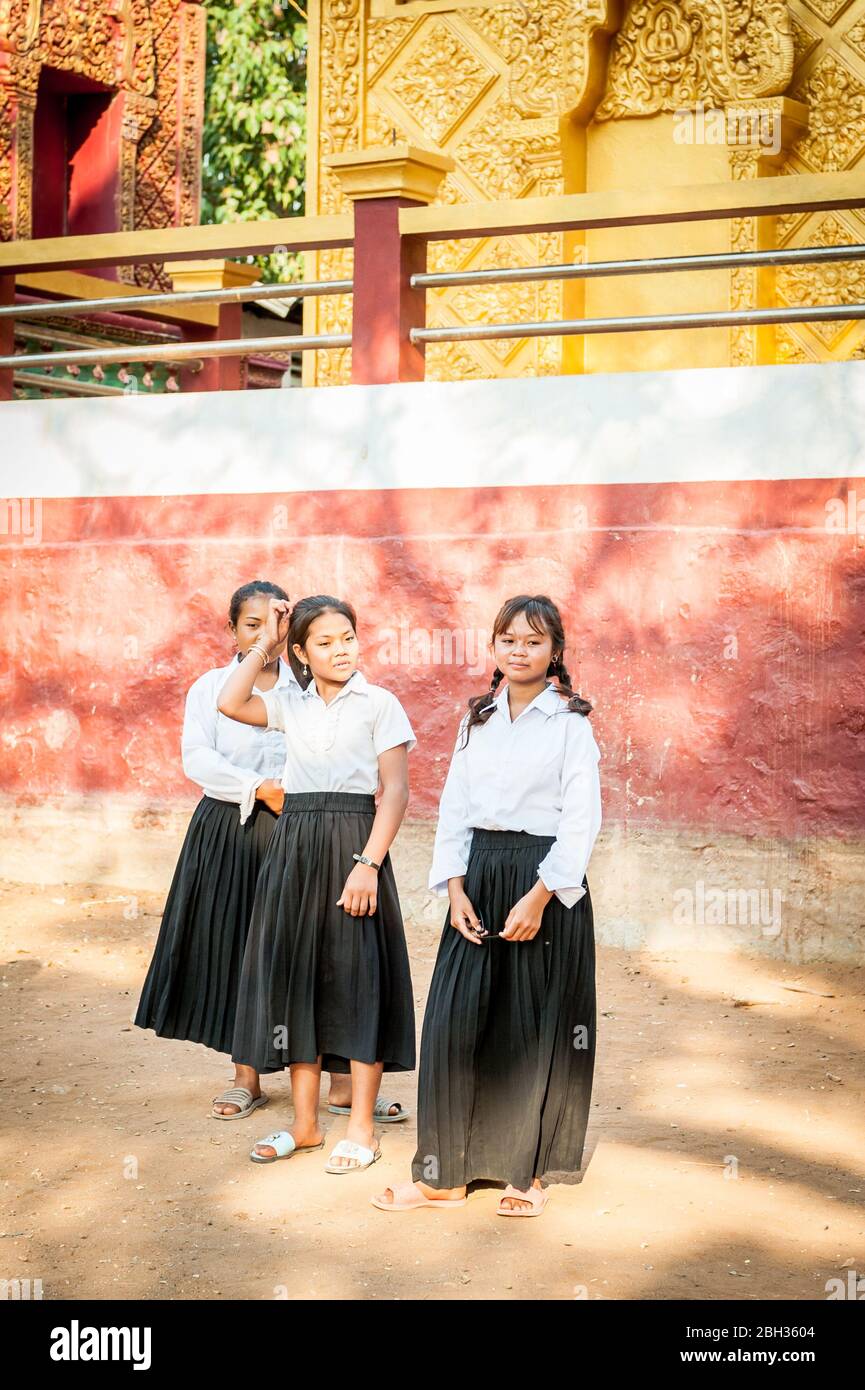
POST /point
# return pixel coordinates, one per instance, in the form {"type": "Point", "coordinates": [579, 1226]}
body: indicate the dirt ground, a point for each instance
{"type": "Point", "coordinates": [725, 1155]}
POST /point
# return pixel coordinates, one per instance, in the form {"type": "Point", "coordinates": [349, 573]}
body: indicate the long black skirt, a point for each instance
{"type": "Point", "coordinates": [508, 1043]}
{"type": "Point", "coordinates": [315, 980]}
{"type": "Point", "coordinates": [191, 987]}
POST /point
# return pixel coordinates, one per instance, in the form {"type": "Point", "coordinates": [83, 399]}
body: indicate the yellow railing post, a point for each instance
{"type": "Point", "coordinates": [217, 373]}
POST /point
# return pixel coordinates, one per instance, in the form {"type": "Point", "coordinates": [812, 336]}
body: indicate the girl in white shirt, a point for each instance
{"type": "Point", "coordinates": [325, 979]}
{"type": "Point", "coordinates": [508, 1042]}
{"type": "Point", "coordinates": [191, 987]}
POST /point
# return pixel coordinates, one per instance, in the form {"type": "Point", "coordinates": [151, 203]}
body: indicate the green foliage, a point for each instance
{"type": "Point", "coordinates": [254, 149]}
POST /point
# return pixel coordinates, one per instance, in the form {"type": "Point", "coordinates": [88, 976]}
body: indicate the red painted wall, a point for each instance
{"type": "Point", "coordinates": [717, 627]}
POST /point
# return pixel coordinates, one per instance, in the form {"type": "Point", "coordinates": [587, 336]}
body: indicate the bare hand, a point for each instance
{"type": "Point", "coordinates": [360, 894]}
{"type": "Point", "coordinates": [272, 794]}
{"type": "Point", "coordinates": [276, 627]}
{"type": "Point", "coordinates": [463, 916]}
{"type": "Point", "coordinates": [524, 919]}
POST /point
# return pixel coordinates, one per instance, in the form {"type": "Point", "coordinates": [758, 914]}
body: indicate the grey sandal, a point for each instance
{"type": "Point", "coordinates": [380, 1113]}
{"type": "Point", "coordinates": [238, 1095]}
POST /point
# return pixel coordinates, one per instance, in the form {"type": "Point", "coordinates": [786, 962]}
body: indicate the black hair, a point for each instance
{"type": "Point", "coordinates": [303, 615]}
{"type": "Point", "coordinates": [256, 586]}
{"type": "Point", "coordinates": [543, 615]}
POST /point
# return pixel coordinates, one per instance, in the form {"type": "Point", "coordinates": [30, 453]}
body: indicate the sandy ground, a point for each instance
{"type": "Point", "coordinates": [724, 1157]}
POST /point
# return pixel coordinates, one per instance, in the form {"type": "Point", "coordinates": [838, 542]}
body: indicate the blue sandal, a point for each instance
{"type": "Point", "coordinates": [284, 1144]}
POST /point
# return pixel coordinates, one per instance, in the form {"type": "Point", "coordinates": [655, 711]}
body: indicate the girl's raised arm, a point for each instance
{"type": "Point", "coordinates": [236, 699]}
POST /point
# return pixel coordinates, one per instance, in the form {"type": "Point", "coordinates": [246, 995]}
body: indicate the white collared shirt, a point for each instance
{"type": "Point", "coordinates": [334, 746]}
{"type": "Point", "coordinates": [229, 760]}
{"type": "Point", "coordinates": [538, 773]}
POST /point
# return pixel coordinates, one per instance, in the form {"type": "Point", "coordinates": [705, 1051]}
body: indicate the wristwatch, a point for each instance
{"type": "Point", "coordinates": [363, 859]}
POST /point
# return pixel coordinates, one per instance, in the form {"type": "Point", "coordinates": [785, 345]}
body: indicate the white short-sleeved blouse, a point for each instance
{"type": "Point", "coordinates": [229, 760]}
{"type": "Point", "coordinates": [334, 747]}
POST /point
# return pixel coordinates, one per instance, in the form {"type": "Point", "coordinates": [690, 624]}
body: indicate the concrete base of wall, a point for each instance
{"type": "Point", "coordinates": [657, 890]}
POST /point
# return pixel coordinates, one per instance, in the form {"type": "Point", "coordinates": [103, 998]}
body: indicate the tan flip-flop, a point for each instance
{"type": "Point", "coordinates": [407, 1196]}
{"type": "Point", "coordinates": [535, 1195]}
{"type": "Point", "coordinates": [238, 1095]}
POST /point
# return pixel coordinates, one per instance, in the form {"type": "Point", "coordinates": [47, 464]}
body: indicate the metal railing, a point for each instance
{"type": "Point", "coordinates": [169, 298]}
{"type": "Point", "coordinates": [389, 328]}
{"type": "Point", "coordinates": [83, 254]}
{"type": "Point", "coordinates": [177, 352]}
{"type": "Point", "coordinates": [626, 323]}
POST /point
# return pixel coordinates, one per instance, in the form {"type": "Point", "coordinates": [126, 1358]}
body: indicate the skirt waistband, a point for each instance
{"type": "Point", "coordinates": [329, 801]}
{"type": "Point", "coordinates": [509, 839]}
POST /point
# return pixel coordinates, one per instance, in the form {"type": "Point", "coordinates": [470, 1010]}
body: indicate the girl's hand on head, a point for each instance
{"type": "Point", "coordinates": [463, 916]}
{"type": "Point", "coordinates": [276, 627]}
{"type": "Point", "coordinates": [360, 894]}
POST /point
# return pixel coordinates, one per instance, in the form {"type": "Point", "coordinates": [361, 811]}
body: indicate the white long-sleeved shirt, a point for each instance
{"type": "Point", "coordinates": [538, 773]}
{"type": "Point", "coordinates": [229, 760]}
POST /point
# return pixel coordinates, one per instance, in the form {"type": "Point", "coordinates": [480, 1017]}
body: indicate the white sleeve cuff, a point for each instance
{"type": "Point", "coordinates": [440, 874]}
{"type": "Point", "coordinates": [247, 797]}
{"type": "Point", "coordinates": [566, 895]}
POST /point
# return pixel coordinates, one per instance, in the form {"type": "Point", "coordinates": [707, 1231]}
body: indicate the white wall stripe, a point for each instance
{"type": "Point", "coordinates": [644, 427]}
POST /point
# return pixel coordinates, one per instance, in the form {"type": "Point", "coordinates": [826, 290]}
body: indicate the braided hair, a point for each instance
{"type": "Point", "coordinates": [542, 615]}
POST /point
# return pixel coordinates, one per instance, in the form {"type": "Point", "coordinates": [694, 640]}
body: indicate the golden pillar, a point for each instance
{"type": "Point", "coordinates": [541, 97]}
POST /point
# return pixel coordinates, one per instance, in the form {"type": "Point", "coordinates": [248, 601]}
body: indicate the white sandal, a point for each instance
{"type": "Point", "coordinates": [346, 1148]}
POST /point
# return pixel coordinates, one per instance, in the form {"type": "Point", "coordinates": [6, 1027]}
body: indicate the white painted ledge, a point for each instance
{"type": "Point", "coordinates": [645, 427]}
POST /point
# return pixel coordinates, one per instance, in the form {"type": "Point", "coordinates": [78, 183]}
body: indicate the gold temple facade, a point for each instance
{"type": "Point", "coordinates": [547, 97]}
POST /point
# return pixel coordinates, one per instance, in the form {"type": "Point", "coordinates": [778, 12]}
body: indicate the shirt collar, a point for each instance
{"type": "Point", "coordinates": [356, 682]}
{"type": "Point", "coordinates": [548, 702]}
{"type": "Point", "coordinates": [286, 675]}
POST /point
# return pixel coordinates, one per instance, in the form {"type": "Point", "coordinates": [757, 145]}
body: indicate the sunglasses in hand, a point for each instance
{"type": "Point", "coordinates": [482, 933]}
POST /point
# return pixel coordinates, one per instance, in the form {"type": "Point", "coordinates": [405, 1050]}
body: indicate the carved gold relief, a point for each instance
{"type": "Point", "coordinates": [436, 79]}
{"type": "Point", "coordinates": [486, 84]}
{"type": "Point", "coordinates": [830, 75]}
{"type": "Point", "coordinates": [744, 283]}
{"type": "Point", "coordinates": [149, 52]}
{"type": "Point", "coordinates": [489, 85]}
{"type": "Point", "coordinates": [827, 10]}
{"type": "Point", "coordinates": [19, 24]}
{"type": "Point", "coordinates": [855, 37]}
{"type": "Point", "coordinates": [842, 283]}
{"type": "Point", "coordinates": [668, 55]}
{"type": "Point", "coordinates": [836, 95]}
{"type": "Point", "coordinates": [804, 40]}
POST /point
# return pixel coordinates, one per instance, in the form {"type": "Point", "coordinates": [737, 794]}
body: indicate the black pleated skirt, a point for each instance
{"type": "Point", "coordinates": [191, 987]}
{"type": "Point", "coordinates": [315, 980]}
{"type": "Point", "coordinates": [508, 1043]}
